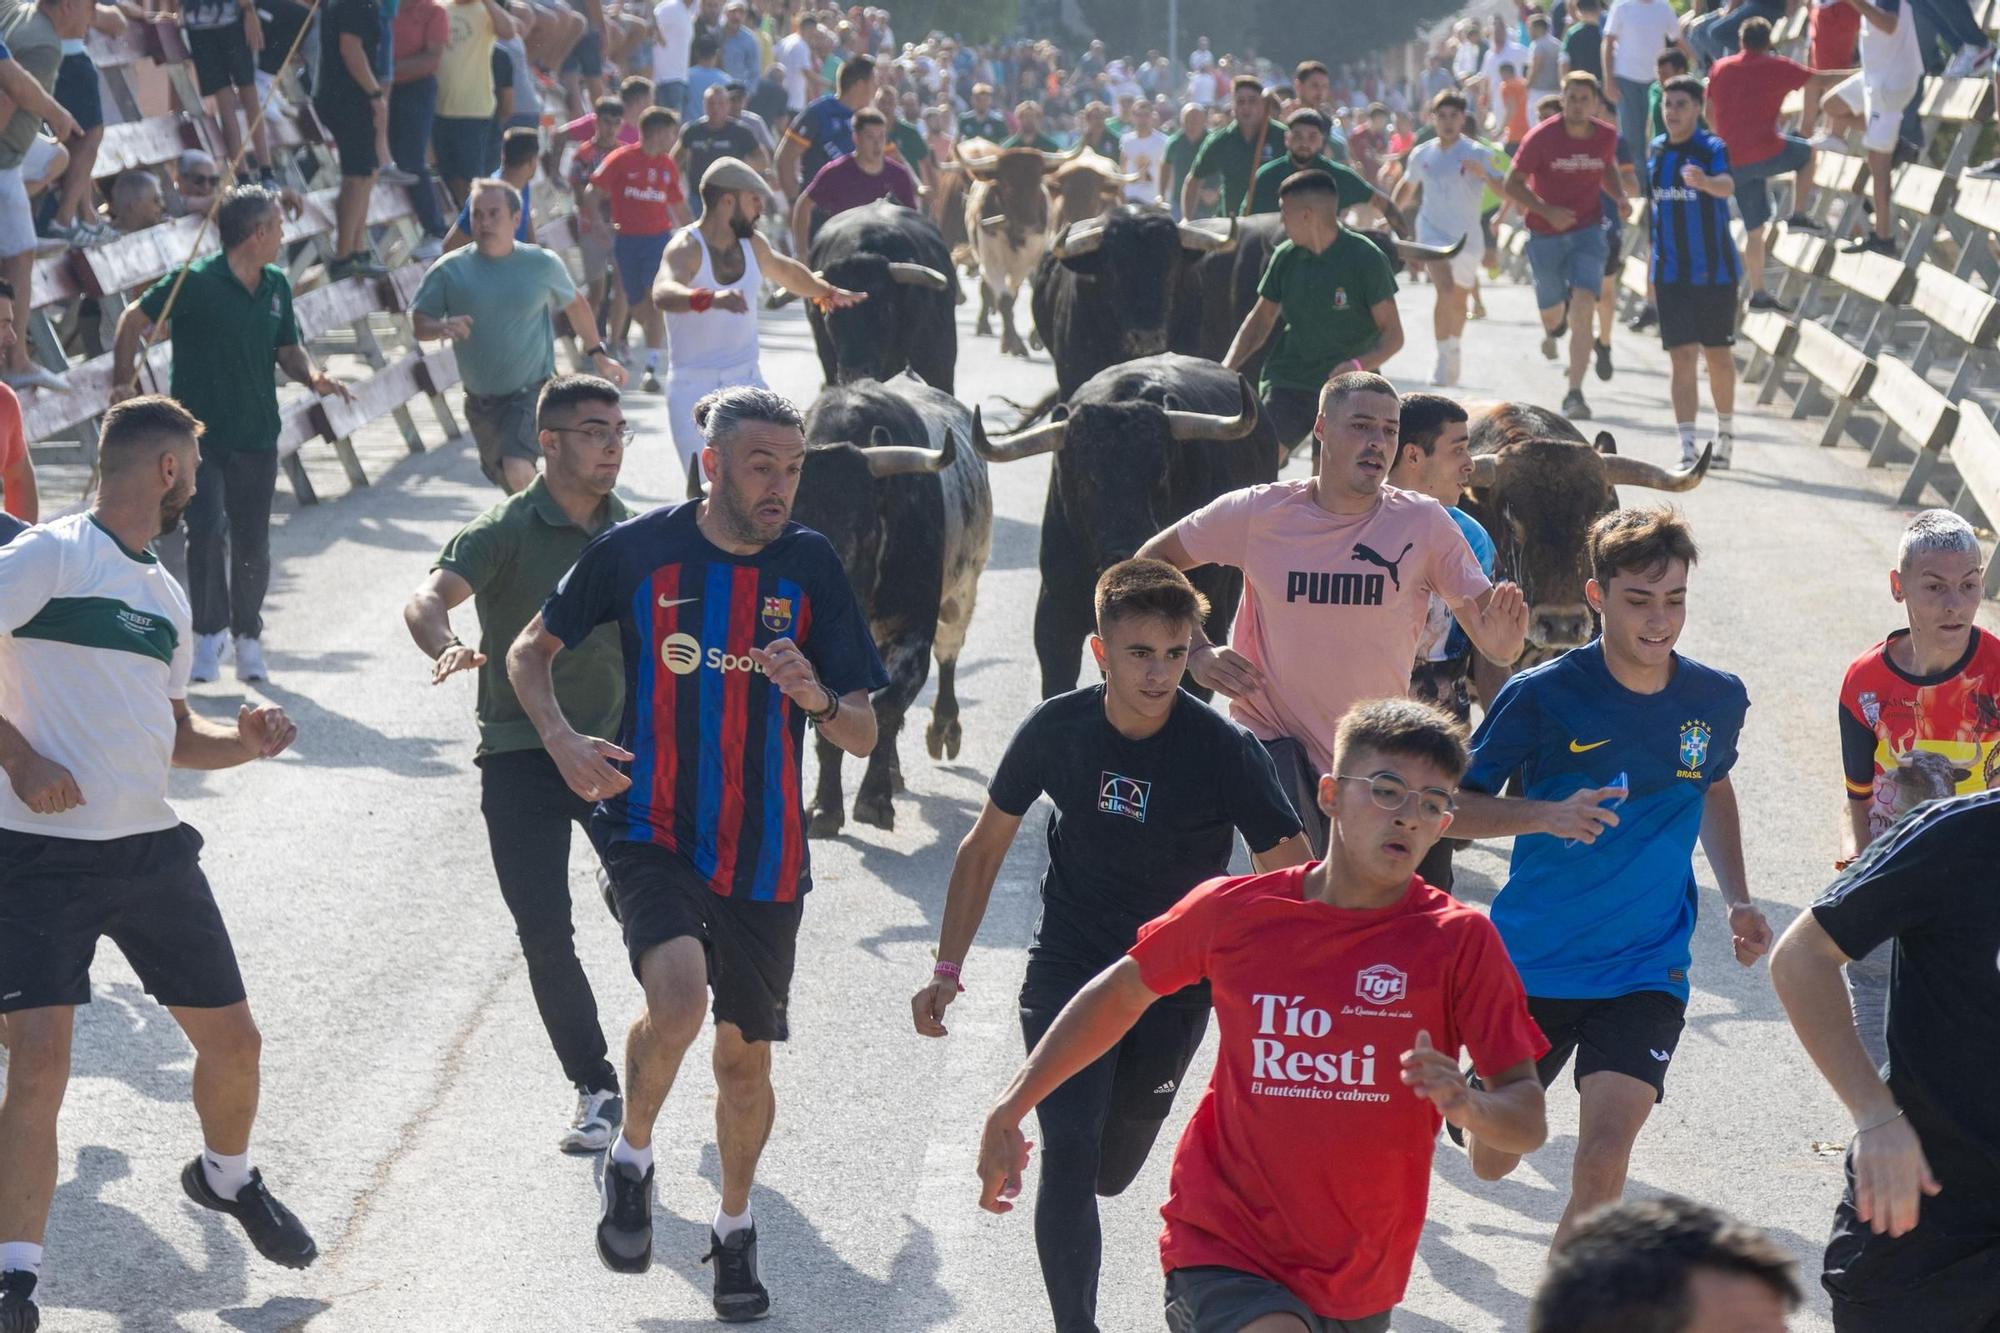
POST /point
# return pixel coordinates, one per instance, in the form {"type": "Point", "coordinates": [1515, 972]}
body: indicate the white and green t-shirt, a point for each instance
{"type": "Point", "coordinates": [95, 644]}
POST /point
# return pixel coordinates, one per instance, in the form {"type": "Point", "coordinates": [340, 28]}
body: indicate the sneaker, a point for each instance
{"type": "Point", "coordinates": [1763, 300]}
{"type": "Point", "coordinates": [36, 377]}
{"type": "Point", "coordinates": [1970, 62]}
{"type": "Point", "coordinates": [391, 174]}
{"type": "Point", "coordinates": [1479, 307]}
{"type": "Point", "coordinates": [1986, 171]}
{"type": "Point", "coordinates": [1870, 244]}
{"type": "Point", "coordinates": [1550, 337]}
{"type": "Point", "coordinates": [278, 1236]}
{"type": "Point", "coordinates": [1574, 407]}
{"type": "Point", "coordinates": [1800, 222]}
{"type": "Point", "coordinates": [75, 235]}
{"type": "Point", "coordinates": [1828, 142]}
{"type": "Point", "coordinates": [739, 1296]}
{"type": "Point", "coordinates": [428, 250]}
{"type": "Point", "coordinates": [625, 1232]}
{"type": "Point", "coordinates": [1689, 455]}
{"type": "Point", "coordinates": [1724, 445]}
{"type": "Point", "coordinates": [1648, 316]}
{"type": "Point", "coordinates": [18, 1311]}
{"type": "Point", "coordinates": [208, 655]}
{"type": "Point", "coordinates": [360, 264]}
{"type": "Point", "coordinates": [598, 1115]}
{"type": "Point", "coordinates": [250, 659]}
{"type": "Point", "coordinates": [650, 384]}
{"type": "Point", "coordinates": [1604, 361]}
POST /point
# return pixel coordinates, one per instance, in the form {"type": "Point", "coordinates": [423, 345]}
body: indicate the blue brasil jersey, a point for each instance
{"type": "Point", "coordinates": [1614, 916]}
{"type": "Point", "coordinates": [715, 745]}
{"type": "Point", "coordinates": [1691, 240]}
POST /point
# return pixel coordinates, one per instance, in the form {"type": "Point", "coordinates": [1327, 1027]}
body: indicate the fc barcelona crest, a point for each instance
{"type": "Point", "coordinates": [1694, 745]}
{"type": "Point", "coordinates": [777, 615]}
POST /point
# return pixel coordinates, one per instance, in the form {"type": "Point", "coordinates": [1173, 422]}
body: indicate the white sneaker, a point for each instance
{"type": "Point", "coordinates": [35, 377]}
{"type": "Point", "coordinates": [598, 1115]}
{"type": "Point", "coordinates": [1829, 143]}
{"type": "Point", "coordinates": [208, 655]}
{"type": "Point", "coordinates": [1690, 455]}
{"type": "Point", "coordinates": [250, 660]}
{"type": "Point", "coordinates": [428, 250]}
{"type": "Point", "coordinates": [389, 174]}
{"type": "Point", "coordinates": [1724, 446]}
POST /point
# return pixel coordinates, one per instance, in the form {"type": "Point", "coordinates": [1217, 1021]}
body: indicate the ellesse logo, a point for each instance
{"type": "Point", "coordinates": [681, 653]}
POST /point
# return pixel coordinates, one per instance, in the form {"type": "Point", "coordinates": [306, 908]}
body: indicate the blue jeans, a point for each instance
{"type": "Point", "coordinates": [1632, 119]}
{"type": "Point", "coordinates": [412, 108]}
{"type": "Point", "coordinates": [1953, 21]}
{"type": "Point", "coordinates": [1570, 261]}
{"type": "Point", "coordinates": [673, 96]}
{"type": "Point", "coordinates": [1753, 191]}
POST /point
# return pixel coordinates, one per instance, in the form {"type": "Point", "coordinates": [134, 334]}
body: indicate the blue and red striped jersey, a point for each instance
{"type": "Point", "coordinates": [716, 747]}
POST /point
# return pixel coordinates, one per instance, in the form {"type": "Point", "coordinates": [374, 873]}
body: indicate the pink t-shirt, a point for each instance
{"type": "Point", "coordinates": [1333, 604]}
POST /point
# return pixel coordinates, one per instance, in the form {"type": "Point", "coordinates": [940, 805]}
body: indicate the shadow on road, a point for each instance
{"type": "Point", "coordinates": [127, 1036]}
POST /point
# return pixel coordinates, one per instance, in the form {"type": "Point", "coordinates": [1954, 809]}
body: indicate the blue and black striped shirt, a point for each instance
{"type": "Point", "coordinates": [1690, 228]}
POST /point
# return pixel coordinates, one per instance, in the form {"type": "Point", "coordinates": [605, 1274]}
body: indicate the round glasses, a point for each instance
{"type": "Point", "coordinates": [1391, 793]}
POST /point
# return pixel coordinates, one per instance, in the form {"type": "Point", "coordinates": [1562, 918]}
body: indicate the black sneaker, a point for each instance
{"type": "Point", "coordinates": [1647, 317]}
{"type": "Point", "coordinates": [1763, 300]}
{"type": "Point", "coordinates": [1457, 1134]}
{"type": "Point", "coordinates": [1604, 361]}
{"type": "Point", "coordinates": [739, 1296]}
{"type": "Point", "coordinates": [1870, 244]}
{"type": "Point", "coordinates": [1800, 222]}
{"type": "Point", "coordinates": [18, 1311]}
{"type": "Point", "coordinates": [1986, 171]}
{"type": "Point", "coordinates": [625, 1232]}
{"type": "Point", "coordinates": [1574, 407]}
{"type": "Point", "coordinates": [1552, 337]}
{"type": "Point", "coordinates": [271, 1227]}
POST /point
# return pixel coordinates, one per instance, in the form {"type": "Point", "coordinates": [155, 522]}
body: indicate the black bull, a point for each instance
{"type": "Point", "coordinates": [900, 260]}
{"type": "Point", "coordinates": [1137, 448]}
{"type": "Point", "coordinates": [890, 482]}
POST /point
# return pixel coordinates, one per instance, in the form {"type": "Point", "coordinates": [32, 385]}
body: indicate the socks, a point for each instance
{"type": "Point", "coordinates": [1686, 428]}
{"type": "Point", "coordinates": [725, 1225]}
{"type": "Point", "coordinates": [226, 1174]}
{"type": "Point", "coordinates": [24, 1256]}
{"type": "Point", "coordinates": [621, 1151]}
{"type": "Point", "coordinates": [1725, 425]}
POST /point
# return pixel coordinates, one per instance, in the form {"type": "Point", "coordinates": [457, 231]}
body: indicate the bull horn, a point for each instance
{"type": "Point", "coordinates": [902, 460]}
{"type": "Point", "coordinates": [1125, 177]}
{"type": "Point", "coordinates": [919, 275]}
{"type": "Point", "coordinates": [1209, 426]}
{"type": "Point", "coordinates": [1053, 160]}
{"type": "Point", "coordinates": [1043, 439]}
{"type": "Point", "coordinates": [1620, 470]}
{"type": "Point", "coordinates": [1485, 471]}
{"type": "Point", "coordinates": [974, 163]}
{"type": "Point", "coordinates": [1414, 252]}
{"type": "Point", "coordinates": [1194, 236]}
{"type": "Point", "coordinates": [1078, 239]}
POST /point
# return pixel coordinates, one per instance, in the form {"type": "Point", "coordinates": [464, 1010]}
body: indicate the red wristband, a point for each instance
{"type": "Point", "coordinates": [700, 299]}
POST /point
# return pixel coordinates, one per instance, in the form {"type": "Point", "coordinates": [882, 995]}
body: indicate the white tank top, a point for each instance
{"type": "Point", "coordinates": [717, 339]}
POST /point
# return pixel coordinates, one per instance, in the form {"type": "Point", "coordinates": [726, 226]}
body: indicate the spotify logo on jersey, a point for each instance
{"type": "Point", "coordinates": [681, 653]}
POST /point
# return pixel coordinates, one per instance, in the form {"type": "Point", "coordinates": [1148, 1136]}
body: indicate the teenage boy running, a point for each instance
{"type": "Point", "coordinates": [1599, 906]}
{"type": "Point", "coordinates": [642, 187]}
{"type": "Point", "coordinates": [1149, 786]}
{"type": "Point", "coordinates": [1695, 268]}
{"type": "Point", "coordinates": [1300, 1186]}
{"type": "Point", "coordinates": [1917, 716]}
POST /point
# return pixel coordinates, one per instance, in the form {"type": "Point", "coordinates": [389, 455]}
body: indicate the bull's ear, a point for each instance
{"type": "Point", "coordinates": [1605, 444]}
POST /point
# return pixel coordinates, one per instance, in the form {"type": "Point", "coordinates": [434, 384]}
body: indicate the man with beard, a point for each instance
{"type": "Point", "coordinates": [737, 626]}
{"type": "Point", "coordinates": [95, 649]}
{"type": "Point", "coordinates": [1232, 154]}
{"type": "Point", "coordinates": [708, 284]}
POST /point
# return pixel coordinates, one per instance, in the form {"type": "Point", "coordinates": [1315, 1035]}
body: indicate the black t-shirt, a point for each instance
{"type": "Point", "coordinates": [362, 18]}
{"type": "Point", "coordinates": [1932, 884]}
{"type": "Point", "coordinates": [1137, 823]}
{"type": "Point", "coordinates": [706, 143]}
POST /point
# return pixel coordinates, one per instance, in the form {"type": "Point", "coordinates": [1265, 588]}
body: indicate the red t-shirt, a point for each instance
{"type": "Point", "coordinates": [1567, 172]}
{"type": "Point", "coordinates": [1747, 91]}
{"type": "Point", "coordinates": [1307, 1160]}
{"type": "Point", "coordinates": [640, 188]}
{"type": "Point", "coordinates": [420, 25]}
{"type": "Point", "coordinates": [584, 129]}
{"type": "Point", "coordinates": [13, 446]}
{"type": "Point", "coordinates": [1906, 739]}
{"type": "Point", "coordinates": [1836, 31]}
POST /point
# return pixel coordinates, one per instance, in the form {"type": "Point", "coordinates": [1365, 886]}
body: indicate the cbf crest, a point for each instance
{"type": "Point", "coordinates": [777, 615]}
{"type": "Point", "coordinates": [1695, 737]}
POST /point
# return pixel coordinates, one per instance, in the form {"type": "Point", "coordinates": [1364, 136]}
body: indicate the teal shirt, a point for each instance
{"type": "Point", "coordinates": [513, 340]}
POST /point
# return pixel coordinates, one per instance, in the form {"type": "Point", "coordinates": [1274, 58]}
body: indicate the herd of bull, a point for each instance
{"type": "Point", "coordinates": [1145, 426]}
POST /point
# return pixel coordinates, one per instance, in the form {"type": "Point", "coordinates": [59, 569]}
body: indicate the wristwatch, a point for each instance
{"type": "Point", "coordinates": [599, 350]}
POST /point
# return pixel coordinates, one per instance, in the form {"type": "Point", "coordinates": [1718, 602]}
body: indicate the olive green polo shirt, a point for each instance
{"type": "Point", "coordinates": [1354, 191]}
{"type": "Point", "coordinates": [513, 555]}
{"type": "Point", "coordinates": [908, 141]}
{"type": "Point", "coordinates": [226, 340]}
{"type": "Point", "coordinates": [1227, 154]}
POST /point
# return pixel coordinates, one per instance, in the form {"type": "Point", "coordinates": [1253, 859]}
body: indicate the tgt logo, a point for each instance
{"type": "Point", "coordinates": [1381, 984]}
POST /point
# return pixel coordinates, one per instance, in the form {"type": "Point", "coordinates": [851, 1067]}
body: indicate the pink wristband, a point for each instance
{"type": "Point", "coordinates": [944, 969]}
{"type": "Point", "coordinates": [1356, 363]}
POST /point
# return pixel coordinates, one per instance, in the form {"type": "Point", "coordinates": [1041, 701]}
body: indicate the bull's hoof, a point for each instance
{"type": "Point", "coordinates": [982, 329]}
{"type": "Point", "coordinates": [942, 739]}
{"type": "Point", "coordinates": [1013, 346]}
{"type": "Point", "coordinates": [1035, 341]}
{"type": "Point", "coordinates": [826, 823]}
{"type": "Point", "coordinates": [877, 811]}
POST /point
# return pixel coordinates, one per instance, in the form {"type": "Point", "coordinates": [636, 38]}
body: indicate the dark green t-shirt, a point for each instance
{"type": "Point", "coordinates": [908, 141]}
{"type": "Point", "coordinates": [1272, 175]}
{"type": "Point", "coordinates": [991, 126]}
{"type": "Point", "coordinates": [1226, 153]}
{"type": "Point", "coordinates": [513, 555]}
{"type": "Point", "coordinates": [1326, 299]}
{"type": "Point", "coordinates": [1041, 141]}
{"type": "Point", "coordinates": [1180, 156]}
{"type": "Point", "coordinates": [226, 340]}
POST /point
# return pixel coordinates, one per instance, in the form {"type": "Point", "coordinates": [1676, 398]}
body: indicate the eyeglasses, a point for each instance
{"type": "Point", "coordinates": [600, 435]}
{"type": "Point", "coordinates": [1391, 793]}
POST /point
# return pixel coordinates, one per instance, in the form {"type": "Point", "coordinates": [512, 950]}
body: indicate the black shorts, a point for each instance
{"type": "Point", "coordinates": [1486, 232]}
{"type": "Point", "coordinates": [1690, 314]}
{"type": "Point", "coordinates": [587, 56]}
{"type": "Point", "coordinates": [1213, 1299]}
{"type": "Point", "coordinates": [78, 93]}
{"type": "Point", "coordinates": [1942, 1276]}
{"type": "Point", "coordinates": [352, 126]}
{"type": "Point", "coordinates": [146, 893]}
{"type": "Point", "coordinates": [1631, 1034]}
{"type": "Point", "coordinates": [1292, 412]}
{"type": "Point", "coordinates": [750, 946]}
{"type": "Point", "coordinates": [1301, 783]}
{"type": "Point", "coordinates": [221, 58]}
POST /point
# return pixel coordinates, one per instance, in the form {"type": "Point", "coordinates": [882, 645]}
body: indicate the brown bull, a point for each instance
{"type": "Point", "coordinates": [1087, 186]}
{"type": "Point", "coordinates": [1007, 211]}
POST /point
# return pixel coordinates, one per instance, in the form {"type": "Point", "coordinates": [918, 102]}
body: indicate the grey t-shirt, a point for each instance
{"type": "Point", "coordinates": [513, 341]}
{"type": "Point", "coordinates": [1544, 72]}
{"type": "Point", "coordinates": [37, 49]}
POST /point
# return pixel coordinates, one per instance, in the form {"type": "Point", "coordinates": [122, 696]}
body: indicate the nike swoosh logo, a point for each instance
{"type": "Point", "coordinates": [1574, 748]}
{"type": "Point", "coordinates": [683, 601]}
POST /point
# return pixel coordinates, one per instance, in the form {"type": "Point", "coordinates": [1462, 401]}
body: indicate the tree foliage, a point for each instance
{"type": "Point", "coordinates": [968, 20]}
{"type": "Point", "coordinates": [1287, 31]}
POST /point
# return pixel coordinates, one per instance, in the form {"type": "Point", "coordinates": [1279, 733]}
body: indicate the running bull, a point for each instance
{"type": "Point", "coordinates": [899, 259]}
{"type": "Point", "coordinates": [1137, 448]}
{"type": "Point", "coordinates": [1007, 220]}
{"type": "Point", "coordinates": [888, 481]}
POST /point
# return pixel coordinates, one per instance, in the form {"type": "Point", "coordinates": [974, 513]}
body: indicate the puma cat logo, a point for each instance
{"type": "Point", "coordinates": [1369, 555]}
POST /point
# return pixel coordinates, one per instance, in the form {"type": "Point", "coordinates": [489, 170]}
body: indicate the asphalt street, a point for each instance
{"type": "Point", "coordinates": [411, 1103]}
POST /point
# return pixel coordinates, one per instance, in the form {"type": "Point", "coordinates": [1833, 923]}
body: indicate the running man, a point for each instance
{"type": "Point", "coordinates": [1338, 570]}
{"type": "Point", "coordinates": [1916, 1236]}
{"type": "Point", "coordinates": [825, 130]}
{"type": "Point", "coordinates": [1149, 786]}
{"type": "Point", "coordinates": [507, 561]}
{"type": "Point", "coordinates": [1622, 722]}
{"type": "Point", "coordinates": [1454, 173]}
{"type": "Point", "coordinates": [737, 626]}
{"type": "Point", "coordinates": [641, 188]}
{"type": "Point", "coordinates": [1917, 716]}
{"type": "Point", "coordinates": [707, 286]}
{"type": "Point", "coordinates": [1300, 1186]}
{"type": "Point", "coordinates": [96, 641]}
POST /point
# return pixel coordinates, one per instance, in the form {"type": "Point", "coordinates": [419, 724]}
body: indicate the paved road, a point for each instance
{"type": "Point", "coordinates": [411, 1103]}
